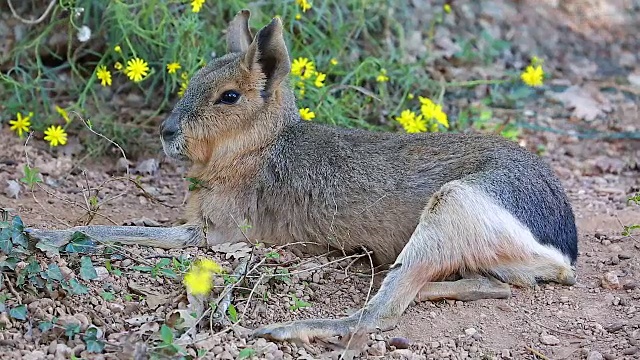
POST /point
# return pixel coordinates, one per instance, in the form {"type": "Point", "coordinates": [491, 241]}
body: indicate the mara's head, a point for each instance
{"type": "Point", "coordinates": [238, 101]}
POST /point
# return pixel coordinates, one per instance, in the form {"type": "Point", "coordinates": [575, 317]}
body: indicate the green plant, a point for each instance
{"type": "Point", "coordinates": [344, 72]}
{"type": "Point", "coordinates": [298, 303]}
{"type": "Point", "coordinates": [162, 267]}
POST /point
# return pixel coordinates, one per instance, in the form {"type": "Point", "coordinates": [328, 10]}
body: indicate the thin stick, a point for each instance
{"type": "Point", "coordinates": [554, 330]}
{"type": "Point", "coordinates": [32, 22]}
{"type": "Point", "coordinates": [366, 301]}
{"type": "Point", "coordinates": [536, 353]}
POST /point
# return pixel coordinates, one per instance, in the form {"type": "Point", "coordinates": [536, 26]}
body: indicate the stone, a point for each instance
{"type": "Point", "coordinates": [379, 348]}
{"type": "Point", "coordinates": [470, 331]}
{"type": "Point", "coordinates": [594, 355]}
{"type": "Point", "coordinates": [549, 340]}
{"type": "Point", "coordinates": [610, 281]}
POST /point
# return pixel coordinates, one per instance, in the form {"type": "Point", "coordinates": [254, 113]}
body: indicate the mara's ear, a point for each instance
{"type": "Point", "coordinates": [238, 34]}
{"type": "Point", "coordinates": [269, 51]}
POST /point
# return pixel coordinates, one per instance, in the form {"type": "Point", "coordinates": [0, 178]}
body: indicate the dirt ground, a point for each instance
{"type": "Point", "coordinates": [598, 318]}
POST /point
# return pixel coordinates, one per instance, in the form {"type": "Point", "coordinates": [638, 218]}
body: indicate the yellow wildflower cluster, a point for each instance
{"type": "Point", "coordinates": [304, 72]}
{"type": "Point", "coordinates": [196, 5]}
{"type": "Point", "coordinates": [430, 118]}
{"type": "Point", "coordinates": [136, 70]}
{"type": "Point", "coordinates": [199, 279]}
{"type": "Point", "coordinates": [54, 134]}
{"type": "Point", "coordinates": [382, 76]}
{"type": "Point", "coordinates": [305, 5]}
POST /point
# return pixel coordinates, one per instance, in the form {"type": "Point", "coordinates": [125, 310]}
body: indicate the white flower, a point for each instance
{"type": "Point", "coordinates": [84, 33]}
{"type": "Point", "coordinates": [78, 11]}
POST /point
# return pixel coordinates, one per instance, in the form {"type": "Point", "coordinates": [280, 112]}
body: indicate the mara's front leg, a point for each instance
{"type": "Point", "coordinates": [167, 238]}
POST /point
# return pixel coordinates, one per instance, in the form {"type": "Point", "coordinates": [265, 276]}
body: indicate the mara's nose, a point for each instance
{"type": "Point", "coordinates": [169, 128]}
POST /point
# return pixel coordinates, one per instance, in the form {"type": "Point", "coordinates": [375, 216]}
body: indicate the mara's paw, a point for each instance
{"type": "Point", "coordinates": [55, 238]}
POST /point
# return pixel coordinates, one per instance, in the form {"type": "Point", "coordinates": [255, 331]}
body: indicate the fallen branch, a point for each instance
{"type": "Point", "coordinates": [224, 300]}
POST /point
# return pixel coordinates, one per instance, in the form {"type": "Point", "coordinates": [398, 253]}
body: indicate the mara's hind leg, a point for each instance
{"type": "Point", "coordinates": [461, 230]}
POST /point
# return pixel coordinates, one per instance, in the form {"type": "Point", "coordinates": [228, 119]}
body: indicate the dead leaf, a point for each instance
{"type": "Point", "coordinates": [152, 297]}
{"type": "Point", "coordinates": [149, 328]}
{"type": "Point", "coordinates": [232, 250]}
{"type": "Point", "coordinates": [147, 167]}
{"type": "Point", "coordinates": [13, 189]}
{"type": "Point", "coordinates": [587, 102]}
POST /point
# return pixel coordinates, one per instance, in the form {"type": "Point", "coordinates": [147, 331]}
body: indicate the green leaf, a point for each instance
{"type": "Point", "coordinates": [272, 255]}
{"type": "Point", "coordinates": [87, 271]}
{"type": "Point", "coordinates": [233, 313]}
{"type": "Point", "coordinates": [5, 241]}
{"type": "Point", "coordinates": [169, 273]}
{"type": "Point", "coordinates": [19, 312]}
{"type": "Point", "coordinates": [54, 273]}
{"type": "Point", "coordinates": [142, 268]}
{"type": "Point", "coordinates": [33, 266]}
{"type": "Point", "coordinates": [108, 296]}
{"type": "Point", "coordinates": [45, 326]}
{"type": "Point", "coordinates": [95, 346]}
{"type": "Point", "coordinates": [91, 340]}
{"type": "Point", "coordinates": [72, 330]}
{"type": "Point", "coordinates": [76, 288]}
{"type": "Point", "coordinates": [163, 262]}
{"type": "Point", "coordinates": [17, 233]}
{"type": "Point", "coordinates": [10, 263]}
{"type": "Point", "coordinates": [48, 248]}
{"type": "Point", "coordinates": [166, 334]}
{"type": "Point", "coordinates": [246, 353]}
{"type": "Point", "coordinates": [80, 243]}
{"type": "Point", "coordinates": [31, 176]}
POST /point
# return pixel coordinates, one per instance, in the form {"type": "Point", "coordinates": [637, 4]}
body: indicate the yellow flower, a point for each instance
{"type": "Point", "coordinates": [55, 135]}
{"type": "Point", "coordinates": [304, 5]}
{"type": "Point", "coordinates": [196, 5]}
{"type": "Point", "coordinates": [533, 75]}
{"type": "Point", "coordinates": [104, 75]}
{"type": "Point", "coordinates": [303, 67]}
{"type": "Point", "coordinates": [209, 265]}
{"type": "Point", "coordinates": [63, 113]}
{"type": "Point", "coordinates": [411, 122]}
{"type": "Point", "coordinates": [333, 61]}
{"type": "Point", "coordinates": [405, 117]}
{"type": "Point", "coordinates": [298, 16]}
{"type": "Point", "coordinates": [183, 88]}
{"type": "Point", "coordinates": [447, 8]}
{"type": "Point", "coordinates": [117, 65]}
{"type": "Point", "coordinates": [382, 77]}
{"type": "Point", "coordinates": [137, 69]}
{"type": "Point", "coordinates": [307, 114]}
{"type": "Point", "coordinates": [418, 125]}
{"type": "Point", "coordinates": [433, 111]}
{"type": "Point", "coordinates": [21, 124]}
{"type": "Point", "coordinates": [410, 96]}
{"type": "Point", "coordinates": [117, 49]}
{"type": "Point", "coordinates": [173, 67]}
{"type": "Point", "coordinates": [199, 279]}
{"type": "Point", "coordinates": [184, 76]}
{"type": "Point", "coordinates": [320, 78]}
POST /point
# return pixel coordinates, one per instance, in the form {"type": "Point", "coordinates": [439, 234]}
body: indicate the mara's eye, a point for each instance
{"type": "Point", "coordinates": [229, 97]}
